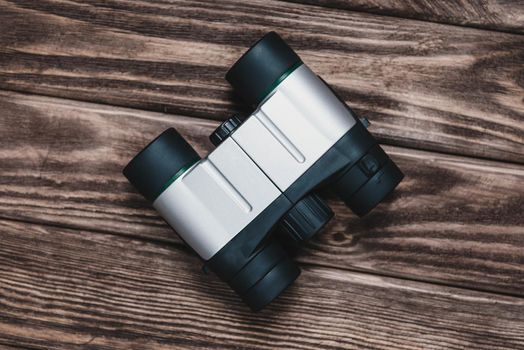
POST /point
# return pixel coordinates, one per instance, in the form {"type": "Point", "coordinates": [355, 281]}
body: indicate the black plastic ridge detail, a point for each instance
{"type": "Point", "coordinates": [225, 129]}
{"type": "Point", "coordinates": [307, 217]}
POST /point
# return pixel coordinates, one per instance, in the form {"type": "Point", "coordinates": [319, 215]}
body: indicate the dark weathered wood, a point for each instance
{"type": "Point", "coordinates": [11, 347]}
{"type": "Point", "coordinates": [453, 219]}
{"type": "Point", "coordinates": [504, 15]}
{"type": "Point", "coordinates": [423, 85]}
{"type": "Point", "coordinates": [68, 289]}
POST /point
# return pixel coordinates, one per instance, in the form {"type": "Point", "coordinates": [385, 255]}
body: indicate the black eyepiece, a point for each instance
{"type": "Point", "coordinates": [160, 163]}
{"type": "Point", "coordinates": [262, 68]}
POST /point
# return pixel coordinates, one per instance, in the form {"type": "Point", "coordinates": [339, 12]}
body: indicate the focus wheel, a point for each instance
{"type": "Point", "coordinates": [224, 130]}
{"type": "Point", "coordinates": [305, 219]}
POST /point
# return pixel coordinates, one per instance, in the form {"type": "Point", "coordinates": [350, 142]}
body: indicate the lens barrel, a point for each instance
{"type": "Point", "coordinates": [159, 164]}
{"type": "Point", "coordinates": [262, 68]}
{"type": "Point", "coordinates": [376, 189]}
{"type": "Point", "coordinates": [265, 276]}
{"type": "Point", "coordinates": [365, 184]}
{"type": "Point", "coordinates": [281, 276]}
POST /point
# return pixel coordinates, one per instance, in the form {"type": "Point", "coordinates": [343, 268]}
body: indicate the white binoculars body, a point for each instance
{"type": "Point", "coordinates": [243, 204]}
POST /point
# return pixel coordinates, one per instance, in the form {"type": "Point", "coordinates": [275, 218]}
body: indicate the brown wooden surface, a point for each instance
{"type": "Point", "coordinates": [84, 290]}
{"type": "Point", "coordinates": [423, 85]}
{"type": "Point", "coordinates": [85, 263]}
{"type": "Point", "coordinates": [503, 15]}
{"type": "Point", "coordinates": [453, 219]}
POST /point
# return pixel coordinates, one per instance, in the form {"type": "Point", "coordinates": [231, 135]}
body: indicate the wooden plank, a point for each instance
{"type": "Point", "coordinates": [10, 347]}
{"type": "Point", "coordinates": [454, 220]}
{"type": "Point", "coordinates": [423, 85]}
{"type": "Point", "coordinates": [65, 289]}
{"type": "Point", "coordinates": [503, 15]}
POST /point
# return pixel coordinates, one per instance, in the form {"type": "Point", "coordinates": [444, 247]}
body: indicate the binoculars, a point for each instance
{"type": "Point", "coordinates": [241, 206]}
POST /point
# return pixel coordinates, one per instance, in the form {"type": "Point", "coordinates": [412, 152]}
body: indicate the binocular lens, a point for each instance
{"type": "Point", "coordinates": [160, 163]}
{"type": "Point", "coordinates": [262, 68]}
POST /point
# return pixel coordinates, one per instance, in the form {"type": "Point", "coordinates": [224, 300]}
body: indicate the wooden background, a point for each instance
{"type": "Point", "coordinates": [85, 263]}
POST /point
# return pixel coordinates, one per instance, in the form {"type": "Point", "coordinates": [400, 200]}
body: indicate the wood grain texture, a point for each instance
{"type": "Point", "coordinates": [453, 220]}
{"type": "Point", "coordinates": [423, 85]}
{"type": "Point", "coordinates": [68, 289]}
{"type": "Point", "coordinates": [10, 347]}
{"type": "Point", "coordinates": [503, 15]}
